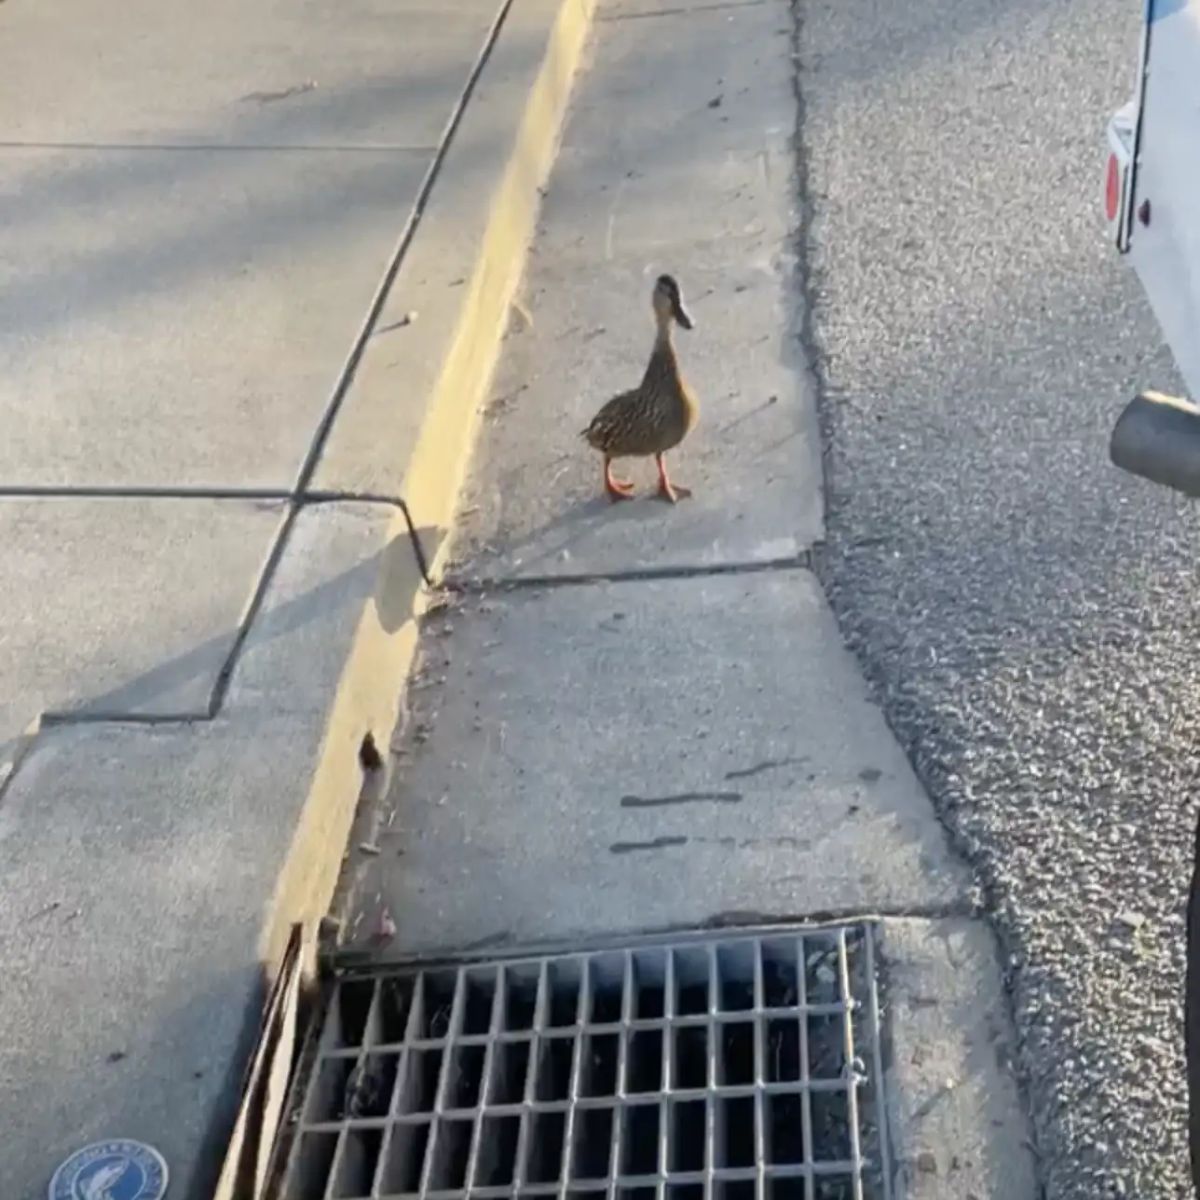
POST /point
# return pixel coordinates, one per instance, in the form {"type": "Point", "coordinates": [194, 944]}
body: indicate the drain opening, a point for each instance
{"type": "Point", "coordinates": [730, 1068]}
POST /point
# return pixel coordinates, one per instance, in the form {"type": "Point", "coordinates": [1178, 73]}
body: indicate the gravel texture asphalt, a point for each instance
{"type": "Point", "coordinates": [1024, 610]}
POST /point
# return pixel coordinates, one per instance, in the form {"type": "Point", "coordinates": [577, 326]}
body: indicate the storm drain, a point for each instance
{"type": "Point", "coordinates": [727, 1068]}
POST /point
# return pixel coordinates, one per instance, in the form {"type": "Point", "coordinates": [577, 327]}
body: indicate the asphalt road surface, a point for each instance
{"type": "Point", "coordinates": [1025, 611]}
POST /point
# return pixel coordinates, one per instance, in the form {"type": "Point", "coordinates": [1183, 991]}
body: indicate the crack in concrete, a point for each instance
{"type": "Point", "coordinates": [659, 843]}
{"type": "Point", "coordinates": [768, 764]}
{"type": "Point", "coordinates": [297, 89]}
{"type": "Point", "coordinates": [733, 843]}
{"type": "Point", "coordinates": [680, 798]}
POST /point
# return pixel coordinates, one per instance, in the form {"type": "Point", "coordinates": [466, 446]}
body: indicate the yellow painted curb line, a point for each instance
{"type": "Point", "coordinates": [440, 458]}
{"type": "Point", "coordinates": [369, 692]}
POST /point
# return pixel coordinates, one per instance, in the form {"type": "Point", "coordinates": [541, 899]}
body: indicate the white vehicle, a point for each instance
{"type": "Point", "coordinates": [1152, 202]}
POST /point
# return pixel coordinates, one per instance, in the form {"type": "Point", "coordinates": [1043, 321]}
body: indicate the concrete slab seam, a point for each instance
{"type": "Point", "coordinates": [346, 377]}
{"type": "Point", "coordinates": [17, 491]}
{"type": "Point", "coordinates": [225, 674]}
{"type": "Point", "coordinates": [59, 719]}
{"type": "Point", "coordinates": [309, 466]}
{"type": "Point", "coordinates": [210, 147]}
{"type": "Point", "coordinates": [345, 958]}
{"type": "Point", "coordinates": [300, 499]}
{"type": "Point", "coordinates": [512, 583]}
{"type": "Point", "coordinates": [679, 11]}
{"type": "Point", "coordinates": [23, 747]}
{"type": "Point", "coordinates": [278, 495]}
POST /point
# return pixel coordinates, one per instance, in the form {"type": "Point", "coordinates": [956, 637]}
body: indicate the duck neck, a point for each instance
{"type": "Point", "coordinates": [662, 357]}
{"type": "Point", "coordinates": [663, 323]}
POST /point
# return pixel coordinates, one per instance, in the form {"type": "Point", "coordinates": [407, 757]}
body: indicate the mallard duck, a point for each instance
{"type": "Point", "coordinates": [657, 415]}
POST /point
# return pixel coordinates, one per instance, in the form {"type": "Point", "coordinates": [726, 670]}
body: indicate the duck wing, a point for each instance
{"type": "Point", "coordinates": [612, 419]}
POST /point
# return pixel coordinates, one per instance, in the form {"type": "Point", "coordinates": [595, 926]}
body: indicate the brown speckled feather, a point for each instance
{"type": "Point", "coordinates": [652, 418]}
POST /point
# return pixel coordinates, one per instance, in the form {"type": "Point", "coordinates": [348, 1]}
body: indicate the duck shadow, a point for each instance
{"type": "Point", "coordinates": [545, 549]}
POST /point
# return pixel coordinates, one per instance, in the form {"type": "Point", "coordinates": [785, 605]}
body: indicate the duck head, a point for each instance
{"type": "Point", "coordinates": [668, 302]}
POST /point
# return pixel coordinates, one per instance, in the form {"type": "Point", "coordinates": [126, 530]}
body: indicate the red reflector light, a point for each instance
{"type": "Point", "coordinates": [1112, 188]}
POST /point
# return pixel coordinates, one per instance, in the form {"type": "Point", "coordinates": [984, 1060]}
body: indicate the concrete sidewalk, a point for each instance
{"type": "Point", "coordinates": [210, 568]}
{"type": "Point", "coordinates": [641, 717]}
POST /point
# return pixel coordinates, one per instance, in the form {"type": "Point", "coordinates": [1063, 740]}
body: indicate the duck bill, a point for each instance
{"type": "Point", "coordinates": [683, 316]}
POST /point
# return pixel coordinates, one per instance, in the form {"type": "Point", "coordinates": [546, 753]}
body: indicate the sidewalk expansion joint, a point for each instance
{"type": "Point", "coordinates": [339, 497]}
{"type": "Point", "coordinates": [742, 918]}
{"type": "Point", "coordinates": [733, 921]}
{"type": "Point", "coordinates": [264, 495]}
{"type": "Point", "coordinates": [59, 719]}
{"type": "Point", "coordinates": [683, 11]}
{"type": "Point", "coordinates": [312, 458]}
{"type": "Point", "coordinates": [210, 147]}
{"type": "Point", "coordinates": [38, 491]}
{"type": "Point", "coordinates": [100, 716]}
{"type": "Point", "coordinates": [477, 585]}
{"type": "Point", "coordinates": [346, 378]}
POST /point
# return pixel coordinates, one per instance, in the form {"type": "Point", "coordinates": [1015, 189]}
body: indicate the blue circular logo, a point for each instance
{"type": "Point", "coordinates": [116, 1170]}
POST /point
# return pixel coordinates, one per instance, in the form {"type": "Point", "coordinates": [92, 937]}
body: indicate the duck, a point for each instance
{"type": "Point", "coordinates": [657, 414]}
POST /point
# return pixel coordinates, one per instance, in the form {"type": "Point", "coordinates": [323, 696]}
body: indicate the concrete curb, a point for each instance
{"type": "Point", "coordinates": [499, 227]}
{"type": "Point", "coordinates": [956, 1120]}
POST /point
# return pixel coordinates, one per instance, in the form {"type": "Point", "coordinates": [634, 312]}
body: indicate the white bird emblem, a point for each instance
{"type": "Point", "coordinates": [99, 1187]}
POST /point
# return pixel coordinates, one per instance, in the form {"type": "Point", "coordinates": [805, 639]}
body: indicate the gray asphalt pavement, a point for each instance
{"type": "Point", "coordinates": [1025, 612]}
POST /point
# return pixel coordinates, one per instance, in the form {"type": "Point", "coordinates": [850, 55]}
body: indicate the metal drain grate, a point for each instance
{"type": "Point", "coordinates": [727, 1068]}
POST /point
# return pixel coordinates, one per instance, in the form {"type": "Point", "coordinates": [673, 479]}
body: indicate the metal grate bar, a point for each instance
{"type": "Point", "coordinates": [704, 1068]}
{"type": "Point", "coordinates": [806, 1123]}
{"type": "Point", "coordinates": [851, 1062]}
{"type": "Point", "coordinates": [713, 1124]}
